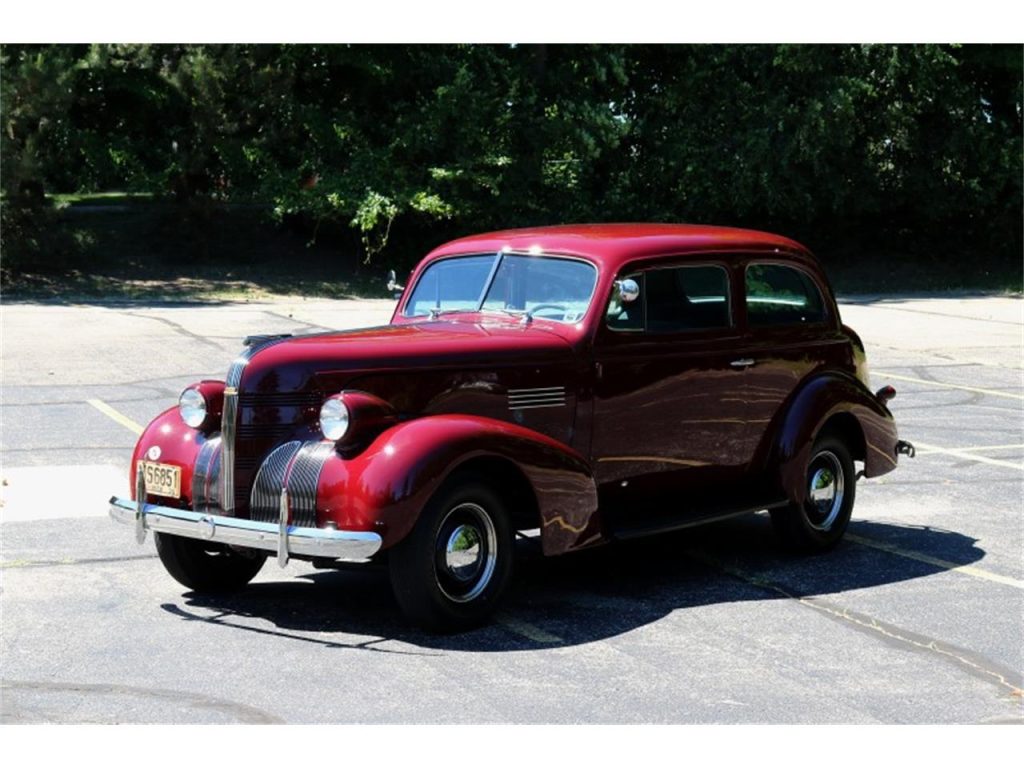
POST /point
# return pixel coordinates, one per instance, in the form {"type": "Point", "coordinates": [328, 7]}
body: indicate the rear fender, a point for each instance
{"type": "Point", "coordinates": [385, 487]}
{"type": "Point", "coordinates": [821, 399]}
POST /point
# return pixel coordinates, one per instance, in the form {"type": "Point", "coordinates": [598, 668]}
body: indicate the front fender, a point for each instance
{"type": "Point", "coordinates": [385, 487]}
{"type": "Point", "coordinates": [824, 397]}
{"type": "Point", "coordinates": [179, 445]}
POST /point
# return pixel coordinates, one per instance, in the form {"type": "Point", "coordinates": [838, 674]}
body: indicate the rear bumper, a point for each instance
{"type": "Point", "coordinates": [284, 540]}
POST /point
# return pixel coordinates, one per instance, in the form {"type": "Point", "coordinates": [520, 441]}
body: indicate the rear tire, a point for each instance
{"type": "Point", "coordinates": [449, 573]}
{"type": "Point", "coordinates": [204, 567]}
{"type": "Point", "coordinates": [819, 523]}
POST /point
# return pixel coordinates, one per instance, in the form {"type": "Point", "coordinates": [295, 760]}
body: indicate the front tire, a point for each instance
{"type": "Point", "coordinates": [819, 523]}
{"type": "Point", "coordinates": [449, 573]}
{"type": "Point", "coordinates": [204, 567]}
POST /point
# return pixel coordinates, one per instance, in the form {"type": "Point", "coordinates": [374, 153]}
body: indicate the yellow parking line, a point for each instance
{"type": "Point", "coordinates": [117, 416]}
{"type": "Point", "coordinates": [527, 630]}
{"type": "Point", "coordinates": [943, 385]}
{"type": "Point", "coordinates": [969, 570]}
{"type": "Point", "coordinates": [926, 449]}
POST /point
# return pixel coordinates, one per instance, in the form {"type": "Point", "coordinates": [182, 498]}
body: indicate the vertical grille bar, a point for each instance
{"type": "Point", "coordinates": [229, 422]}
{"type": "Point", "coordinates": [227, 431]}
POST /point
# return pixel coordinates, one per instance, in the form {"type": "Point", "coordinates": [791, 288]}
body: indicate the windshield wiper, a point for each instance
{"type": "Point", "coordinates": [436, 312]}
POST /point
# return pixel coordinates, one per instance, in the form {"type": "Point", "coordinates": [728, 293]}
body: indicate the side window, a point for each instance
{"type": "Point", "coordinates": [780, 295]}
{"type": "Point", "coordinates": [677, 299]}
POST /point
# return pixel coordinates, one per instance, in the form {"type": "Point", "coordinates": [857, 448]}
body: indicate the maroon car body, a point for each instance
{"type": "Point", "coordinates": [706, 374]}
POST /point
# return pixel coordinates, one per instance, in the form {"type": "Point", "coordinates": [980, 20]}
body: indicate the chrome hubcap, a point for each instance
{"type": "Point", "coordinates": [466, 552]}
{"type": "Point", "coordinates": [463, 554]}
{"type": "Point", "coordinates": [824, 490]}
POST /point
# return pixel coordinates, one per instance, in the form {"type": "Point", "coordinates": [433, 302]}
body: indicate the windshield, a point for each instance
{"type": "Point", "coordinates": [553, 288]}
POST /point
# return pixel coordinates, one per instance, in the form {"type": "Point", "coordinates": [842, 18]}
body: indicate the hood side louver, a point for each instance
{"type": "Point", "coordinates": [536, 397]}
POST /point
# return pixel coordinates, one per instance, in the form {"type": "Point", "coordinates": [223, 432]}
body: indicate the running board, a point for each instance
{"type": "Point", "coordinates": [678, 524]}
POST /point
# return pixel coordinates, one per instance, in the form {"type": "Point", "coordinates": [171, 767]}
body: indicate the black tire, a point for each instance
{"type": "Point", "coordinates": [204, 567]}
{"type": "Point", "coordinates": [817, 525]}
{"type": "Point", "coordinates": [449, 573]}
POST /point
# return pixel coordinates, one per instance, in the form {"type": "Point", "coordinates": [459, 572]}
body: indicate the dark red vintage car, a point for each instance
{"type": "Point", "coordinates": [593, 382]}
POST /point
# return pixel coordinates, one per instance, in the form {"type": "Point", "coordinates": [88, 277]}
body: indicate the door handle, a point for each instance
{"type": "Point", "coordinates": [744, 362]}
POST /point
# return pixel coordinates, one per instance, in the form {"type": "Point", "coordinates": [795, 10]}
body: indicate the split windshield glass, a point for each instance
{"type": "Point", "coordinates": [548, 287]}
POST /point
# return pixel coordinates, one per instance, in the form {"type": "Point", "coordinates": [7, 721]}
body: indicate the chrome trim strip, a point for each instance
{"type": "Point", "coordinates": [529, 407]}
{"type": "Point", "coordinates": [227, 451]}
{"type": "Point", "coordinates": [351, 546]}
{"type": "Point", "coordinates": [282, 531]}
{"type": "Point", "coordinates": [531, 390]}
{"type": "Point", "coordinates": [140, 503]}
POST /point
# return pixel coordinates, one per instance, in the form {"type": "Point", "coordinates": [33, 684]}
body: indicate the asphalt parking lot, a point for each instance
{"type": "Point", "coordinates": [918, 617]}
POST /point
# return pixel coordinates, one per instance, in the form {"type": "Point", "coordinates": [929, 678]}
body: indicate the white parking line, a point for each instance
{"type": "Point", "coordinates": [944, 385]}
{"type": "Point", "coordinates": [978, 448]}
{"type": "Point", "coordinates": [926, 449]}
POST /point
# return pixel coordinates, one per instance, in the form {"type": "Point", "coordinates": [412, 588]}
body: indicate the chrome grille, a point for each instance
{"type": "Point", "coordinates": [229, 420]}
{"type": "Point", "coordinates": [536, 397]}
{"type": "Point", "coordinates": [303, 479]}
{"type": "Point", "coordinates": [274, 415]}
{"type": "Point", "coordinates": [205, 497]}
{"type": "Point", "coordinates": [280, 399]}
{"type": "Point", "coordinates": [294, 467]}
{"type": "Point", "coordinates": [264, 431]}
{"type": "Point", "coordinates": [265, 500]}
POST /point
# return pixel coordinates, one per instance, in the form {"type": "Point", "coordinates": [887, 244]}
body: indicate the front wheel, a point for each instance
{"type": "Point", "coordinates": [819, 523]}
{"type": "Point", "coordinates": [205, 567]}
{"type": "Point", "coordinates": [450, 571]}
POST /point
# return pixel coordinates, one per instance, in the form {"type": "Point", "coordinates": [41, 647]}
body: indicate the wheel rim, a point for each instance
{"type": "Point", "coordinates": [466, 552]}
{"type": "Point", "coordinates": [825, 490]}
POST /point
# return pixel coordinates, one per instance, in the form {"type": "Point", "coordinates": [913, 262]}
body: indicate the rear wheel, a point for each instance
{"type": "Point", "coordinates": [820, 522]}
{"type": "Point", "coordinates": [205, 567]}
{"type": "Point", "coordinates": [450, 571]}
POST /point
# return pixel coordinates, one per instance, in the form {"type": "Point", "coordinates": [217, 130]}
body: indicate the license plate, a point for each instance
{"type": "Point", "coordinates": [162, 479]}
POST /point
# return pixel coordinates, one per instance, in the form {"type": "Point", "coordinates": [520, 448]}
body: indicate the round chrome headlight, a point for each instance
{"type": "Point", "coordinates": [333, 419]}
{"type": "Point", "coordinates": [192, 407]}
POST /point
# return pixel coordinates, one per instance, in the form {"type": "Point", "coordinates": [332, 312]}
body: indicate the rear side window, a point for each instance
{"type": "Point", "coordinates": [677, 299]}
{"type": "Point", "coordinates": [780, 295]}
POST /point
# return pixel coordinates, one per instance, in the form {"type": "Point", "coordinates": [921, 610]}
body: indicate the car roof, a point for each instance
{"type": "Point", "coordinates": [611, 245]}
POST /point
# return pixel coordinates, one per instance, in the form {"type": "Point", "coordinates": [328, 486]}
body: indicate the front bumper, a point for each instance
{"type": "Point", "coordinates": [283, 539]}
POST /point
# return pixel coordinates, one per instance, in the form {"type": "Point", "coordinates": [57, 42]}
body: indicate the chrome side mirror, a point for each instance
{"type": "Point", "coordinates": [393, 284]}
{"type": "Point", "coordinates": [627, 290]}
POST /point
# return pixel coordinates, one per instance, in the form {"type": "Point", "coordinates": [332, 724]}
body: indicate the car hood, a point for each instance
{"type": "Point", "coordinates": [290, 363]}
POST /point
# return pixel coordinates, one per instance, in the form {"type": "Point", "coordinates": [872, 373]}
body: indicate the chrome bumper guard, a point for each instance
{"type": "Point", "coordinates": [272, 537]}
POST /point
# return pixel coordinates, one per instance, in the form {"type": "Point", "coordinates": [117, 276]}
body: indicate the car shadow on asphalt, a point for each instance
{"type": "Point", "coordinates": [592, 595]}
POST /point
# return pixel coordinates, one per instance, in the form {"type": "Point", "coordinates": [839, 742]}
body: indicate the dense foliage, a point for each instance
{"type": "Point", "coordinates": [911, 149]}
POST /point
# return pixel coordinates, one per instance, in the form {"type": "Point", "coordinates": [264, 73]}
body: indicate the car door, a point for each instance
{"type": "Point", "coordinates": [670, 433]}
{"type": "Point", "coordinates": [791, 331]}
